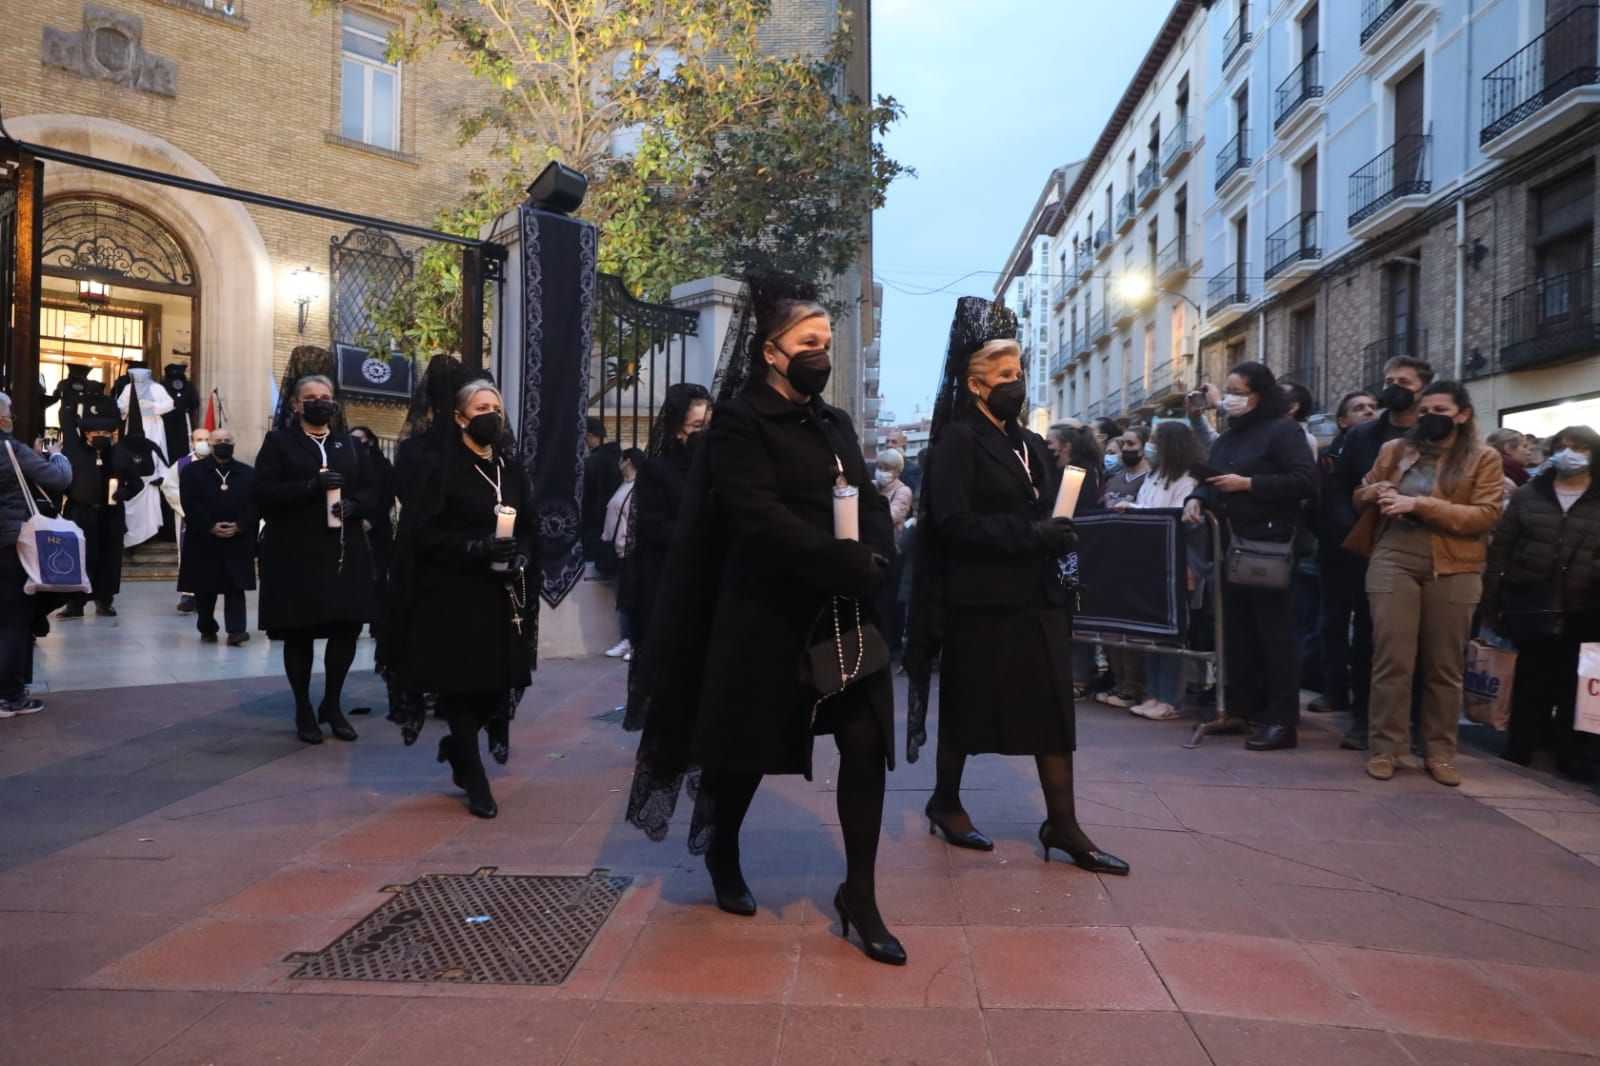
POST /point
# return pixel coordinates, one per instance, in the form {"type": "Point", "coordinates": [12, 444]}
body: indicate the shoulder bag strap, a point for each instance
{"type": "Point", "coordinates": [22, 482]}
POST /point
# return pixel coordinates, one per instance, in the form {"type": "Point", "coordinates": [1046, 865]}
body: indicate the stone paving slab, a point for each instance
{"type": "Point", "coordinates": [165, 847]}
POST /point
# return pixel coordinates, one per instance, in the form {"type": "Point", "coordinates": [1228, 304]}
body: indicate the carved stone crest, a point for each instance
{"type": "Point", "coordinates": [109, 48]}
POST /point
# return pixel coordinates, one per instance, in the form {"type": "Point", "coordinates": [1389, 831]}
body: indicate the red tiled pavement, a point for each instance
{"type": "Point", "coordinates": [1282, 908]}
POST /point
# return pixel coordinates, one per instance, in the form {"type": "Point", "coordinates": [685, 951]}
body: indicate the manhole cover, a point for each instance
{"type": "Point", "coordinates": [473, 929]}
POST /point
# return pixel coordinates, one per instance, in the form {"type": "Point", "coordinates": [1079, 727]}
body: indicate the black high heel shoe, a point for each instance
{"type": "Point", "coordinates": [447, 753]}
{"type": "Point", "coordinates": [1095, 862]}
{"type": "Point", "coordinates": [336, 722]}
{"type": "Point", "coordinates": [972, 838]}
{"type": "Point", "coordinates": [888, 950]}
{"type": "Point", "coordinates": [733, 895]}
{"type": "Point", "coordinates": [305, 725]}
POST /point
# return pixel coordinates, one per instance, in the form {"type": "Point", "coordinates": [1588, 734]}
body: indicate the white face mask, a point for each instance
{"type": "Point", "coordinates": [1234, 405]}
{"type": "Point", "coordinates": [883, 477]}
{"type": "Point", "coordinates": [1567, 461]}
{"type": "Point", "coordinates": [201, 448]}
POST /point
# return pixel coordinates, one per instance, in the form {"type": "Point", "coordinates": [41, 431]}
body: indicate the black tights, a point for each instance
{"type": "Point", "coordinates": [467, 714]}
{"type": "Point", "coordinates": [1055, 780]}
{"type": "Point", "coordinates": [860, 798]}
{"type": "Point", "coordinates": [298, 655]}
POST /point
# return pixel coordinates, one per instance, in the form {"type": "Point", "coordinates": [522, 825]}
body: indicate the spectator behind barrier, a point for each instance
{"type": "Point", "coordinates": [1342, 573]}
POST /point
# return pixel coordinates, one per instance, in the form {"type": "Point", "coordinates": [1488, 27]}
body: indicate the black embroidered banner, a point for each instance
{"type": "Point", "coordinates": [558, 308]}
{"type": "Point", "coordinates": [1133, 571]}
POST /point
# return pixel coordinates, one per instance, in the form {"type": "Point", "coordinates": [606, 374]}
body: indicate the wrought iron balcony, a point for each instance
{"type": "Point", "coordinates": [1161, 381]}
{"type": "Point", "coordinates": [1297, 241]}
{"type": "Point", "coordinates": [1059, 361]}
{"type": "Point", "coordinates": [1058, 292]}
{"type": "Point", "coordinates": [1413, 344]}
{"type": "Point", "coordinates": [1085, 261]}
{"type": "Point", "coordinates": [1098, 324]}
{"type": "Point", "coordinates": [1175, 149]}
{"type": "Point", "coordinates": [1136, 393]}
{"type": "Point", "coordinates": [1403, 169]}
{"type": "Point", "coordinates": [1119, 310]}
{"type": "Point", "coordinates": [1102, 238]}
{"type": "Point", "coordinates": [1125, 211]}
{"type": "Point", "coordinates": [1149, 181]}
{"type": "Point", "coordinates": [1303, 83]}
{"type": "Point", "coordinates": [1376, 14]}
{"type": "Point", "coordinates": [1548, 321]}
{"type": "Point", "coordinates": [1114, 403]}
{"type": "Point", "coordinates": [1562, 58]}
{"type": "Point", "coordinates": [1234, 157]}
{"type": "Point", "coordinates": [1093, 412]}
{"type": "Point", "coordinates": [1173, 259]}
{"type": "Point", "coordinates": [1081, 341]}
{"type": "Point", "coordinates": [1234, 40]}
{"type": "Point", "coordinates": [1230, 288]}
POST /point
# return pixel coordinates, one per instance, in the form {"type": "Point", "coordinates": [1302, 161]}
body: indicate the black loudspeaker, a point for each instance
{"type": "Point", "coordinates": [558, 189]}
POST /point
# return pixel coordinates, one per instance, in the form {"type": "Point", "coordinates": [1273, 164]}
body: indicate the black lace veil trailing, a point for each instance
{"type": "Point", "coordinates": [664, 690]}
{"type": "Point", "coordinates": [979, 325]}
{"type": "Point", "coordinates": [669, 418]}
{"type": "Point", "coordinates": [307, 360]}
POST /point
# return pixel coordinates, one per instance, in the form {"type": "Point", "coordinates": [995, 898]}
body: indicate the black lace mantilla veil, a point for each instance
{"type": "Point", "coordinates": [977, 322]}
{"type": "Point", "coordinates": [305, 361]}
{"type": "Point", "coordinates": [664, 690]}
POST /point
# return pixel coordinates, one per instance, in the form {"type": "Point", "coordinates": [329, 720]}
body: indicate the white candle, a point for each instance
{"type": "Point", "coordinates": [111, 491]}
{"type": "Point", "coordinates": [846, 512]}
{"type": "Point", "coordinates": [505, 525]}
{"type": "Point", "coordinates": [1067, 496]}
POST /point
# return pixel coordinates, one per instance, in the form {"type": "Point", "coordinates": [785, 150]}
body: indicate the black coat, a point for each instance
{"type": "Point", "coordinates": [602, 473]}
{"type": "Point", "coordinates": [179, 422]}
{"type": "Point", "coordinates": [1538, 542]}
{"type": "Point", "coordinates": [1357, 450]}
{"type": "Point", "coordinates": [314, 580]}
{"type": "Point", "coordinates": [657, 500]}
{"type": "Point", "coordinates": [1005, 682]}
{"type": "Point", "coordinates": [1271, 451]}
{"type": "Point", "coordinates": [211, 565]}
{"type": "Point", "coordinates": [772, 470]}
{"type": "Point", "coordinates": [459, 635]}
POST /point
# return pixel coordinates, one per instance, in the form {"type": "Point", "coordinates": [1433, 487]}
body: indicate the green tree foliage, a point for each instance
{"type": "Point", "coordinates": [704, 152]}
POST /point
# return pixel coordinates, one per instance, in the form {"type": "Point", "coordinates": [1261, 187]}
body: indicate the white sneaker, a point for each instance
{"type": "Point", "coordinates": [628, 658]}
{"type": "Point", "coordinates": [1158, 712]}
{"type": "Point", "coordinates": [620, 651]}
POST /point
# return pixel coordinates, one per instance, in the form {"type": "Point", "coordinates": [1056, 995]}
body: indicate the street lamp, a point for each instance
{"type": "Point", "coordinates": [305, 285]}
{"type": "Point", "coordinates": [1137, 289]}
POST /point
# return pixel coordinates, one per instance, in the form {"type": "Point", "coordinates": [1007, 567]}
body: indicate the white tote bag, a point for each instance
{"type": "Point", "coordinates": [1588, 717]}
{"type": "Point", "coordinates": [51, 550]}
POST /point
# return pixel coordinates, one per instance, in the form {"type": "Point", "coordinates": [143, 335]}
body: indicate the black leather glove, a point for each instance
{"type": "Point", "coordinates": [1053, 536]}
{"type": "Point", "coordinates": [515, 570]}
{"type": "Point", "coordinates": [348, 509]}
{"type": "Point", "coordinates": [493, 549]}
{"type": "Point", "coordinates": [330, 479]}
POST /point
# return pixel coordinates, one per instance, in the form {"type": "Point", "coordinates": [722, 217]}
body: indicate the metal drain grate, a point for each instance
{"type": "Point", "coordinates": [473, 929]}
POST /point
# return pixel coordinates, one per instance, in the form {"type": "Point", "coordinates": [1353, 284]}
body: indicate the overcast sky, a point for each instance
{"type": "Point", "coordinates": [997, 94]}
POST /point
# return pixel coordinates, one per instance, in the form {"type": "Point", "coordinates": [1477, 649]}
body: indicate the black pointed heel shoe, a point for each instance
{"type": "Point", "coordinates": [336, 722]}
{"type": "Point", "coordinates": [733, 895]}
{"type": "Point", "coordinates": [305, 725]}
{"type": "Point", "coordinates": [447, 754]}
{"type": "Point", "coordinates": [1095, 862]}
{"type": "Point", "coordinates": [888, 951]}
{"type": "Point", "coordinates": [971, 838]}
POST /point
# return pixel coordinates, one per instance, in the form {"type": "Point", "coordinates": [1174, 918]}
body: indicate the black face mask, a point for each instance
{"type": "Point", "coordinates": [222, 452]}
{"type": "Point", "coordinates": [1007, 399]}
{"type": "Point", "coordinates": [484, 429]}
{"type": "Point", "coordinates": [99, 444]}
{"type": "Point", "coordinates": [318, 412]}
{"type": "Point", "coordinates": [1396, 399]}
{"type": "Point", "coordinates": [1131, 458]}
{"type": "Point", "coordinates": [809, 371]}
{"type": "Point", "coordinates": [1434, 428]}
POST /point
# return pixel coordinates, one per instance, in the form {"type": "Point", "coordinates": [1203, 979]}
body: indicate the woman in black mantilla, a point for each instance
{"type": "Point", "coordinates": [753, 583]}
{"type": "Point", "coordinates": [461, 623]}
{"type": "Point", "coordinates": [316, 577]}
{"type": "Point", "coordinates": [990, 604]}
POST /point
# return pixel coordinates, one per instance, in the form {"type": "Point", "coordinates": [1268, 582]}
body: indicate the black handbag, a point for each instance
{"type": "Point", "coordinates": [852, 650]}
{"type": "Point", "coordinates": [1261, 564]}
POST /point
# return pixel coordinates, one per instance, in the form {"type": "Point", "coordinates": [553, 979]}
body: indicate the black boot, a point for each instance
{"type": "Point", "coordinates": [305, 724]}
{"type": "Point", "coordinates": [331, 716]}
{"type": "Point", "coordinates": [447, 754]}
{"type": "Point", "coordinates": [727, 881]}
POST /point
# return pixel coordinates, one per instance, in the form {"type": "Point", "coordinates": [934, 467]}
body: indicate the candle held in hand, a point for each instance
{"type": "Point", "coordinates": [505, 525]}
{"type": "Point", "coordinates": [846, 512]}
{"type": "Point", "coordinates": [1067, 496]}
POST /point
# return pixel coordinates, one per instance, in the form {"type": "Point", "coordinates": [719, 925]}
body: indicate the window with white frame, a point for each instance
{"type": "Point", "coordinates": [369, 109]}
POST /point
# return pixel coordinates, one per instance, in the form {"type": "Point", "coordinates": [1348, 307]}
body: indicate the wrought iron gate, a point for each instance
{"type": "Point", "coordinates": [641, 349]}
{"type": "Point", "coordinates": [367, 268]}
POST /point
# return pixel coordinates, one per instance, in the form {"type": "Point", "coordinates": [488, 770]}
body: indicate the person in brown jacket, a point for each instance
{"type": "Point", "coordinates": [1426, 510]}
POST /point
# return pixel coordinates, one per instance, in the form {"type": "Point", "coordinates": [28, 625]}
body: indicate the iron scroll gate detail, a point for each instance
{"type": "Point", "coordinates": [642, 349]}
{"type": "Point", "coordinates": [111, 240]}
{"type": "Point", "coordinates": [367, 269]}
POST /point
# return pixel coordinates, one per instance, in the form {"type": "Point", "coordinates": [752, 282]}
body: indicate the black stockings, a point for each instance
{"type": "Point", "coordinates": [1055, 781]}
{"type": "Point", "coordinates": [946, 802]}
{"type": "Point", "coordinates": [467, 715]}
{"type": "Point", "coordinates": [731, 795]}
{"type": "Point", "coordinates": [298, 655]}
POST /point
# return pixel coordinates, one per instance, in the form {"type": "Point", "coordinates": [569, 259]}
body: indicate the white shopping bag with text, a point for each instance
{"type": "Point", "coordinates": [1588, 716]}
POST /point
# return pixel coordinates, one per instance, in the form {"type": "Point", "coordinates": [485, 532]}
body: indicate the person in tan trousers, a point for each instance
{"type": "Point", "coordinates": [1425, 513]}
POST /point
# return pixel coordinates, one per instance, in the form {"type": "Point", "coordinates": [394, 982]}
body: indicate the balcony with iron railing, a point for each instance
{"type": "Point", "coordinates": [1149, 182]}
{"type": "Point", "coordinates": [1393, 186]}
{"type": "Point", "coordinates": [1383, 20]}
{"type": "Point", "coordinates": [1234, 39]}
{"type": "Point", "coordinates": [1058, 292]}
{"type": "Point", "coordinates": [1081, 341]}
{"type": "Point", "coordinates": [1059, 361]}
{"type": "Point", "coordinates": [1550, 321]}
{"type": "Point", "coordinates": [1412, 344]}
{"type": "Point", "coordinates": [1173, 260]}
{"type": "Point", "coordinates": [1084, 264]}
{"type": "Point", "coordinates": [1162, 382]}
{"type": "Point", "coordinates": [1102, 239]}
{"type": "Point", "coordinates": [1099, 325]}
{"type": "Point", "coordinates": [1118, 310]}
{"type": "Point", "coordinates": [1093, 412]}
{"type": "Point", "coordinates": [1126, 211]}
{"type": "Point", "coordinates": [1234, 158]}
{"type": "Point", "coordinates": [1546, 88]}
{"type": "Point", "coordinates": [1294, 249]}
{"type": "Point", "coordinates": [1113, 403]}
{"type": "Point", "coordinates": [1136, 393]}
{"type": "Point", "coordinates": [1303, 84]}
{"type": "Point", "coordinates": [1228, 294]}
{"type": "Point", "coordinates": [1175, 149]}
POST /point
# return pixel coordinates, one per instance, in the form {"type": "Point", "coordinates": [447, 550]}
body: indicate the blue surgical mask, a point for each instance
{"type": "Point", "coordinates": [1567, 461]}
{"type": "Point", "coordinates": [1112, 460]}
{"type": "Point", "coordinates": [1150, 453]}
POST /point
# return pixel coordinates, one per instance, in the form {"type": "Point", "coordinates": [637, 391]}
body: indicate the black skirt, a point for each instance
{"type": "Point", "coordinates": [1005, 683]}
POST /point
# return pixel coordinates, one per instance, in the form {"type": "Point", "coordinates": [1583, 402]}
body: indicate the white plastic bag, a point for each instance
{"type": "Point", "coordinates": [51, 550]}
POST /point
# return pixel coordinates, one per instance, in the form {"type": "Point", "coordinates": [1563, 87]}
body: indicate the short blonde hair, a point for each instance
{"type": "Point", "coordinates": [890, 459]}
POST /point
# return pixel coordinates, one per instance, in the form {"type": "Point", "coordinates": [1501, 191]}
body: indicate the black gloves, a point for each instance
{"type": "Point", "coordinates": [1053, 536]}
{"type": "Point", "coordinates": [327, 479]}
{"type": "Point", "coordinates": [493, 549]}
{"type": "Point", "coordinates": [348, 509]}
